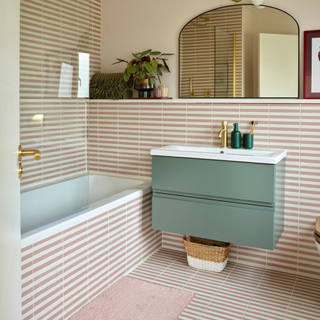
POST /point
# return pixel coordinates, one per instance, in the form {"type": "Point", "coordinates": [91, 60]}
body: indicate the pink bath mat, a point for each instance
{"type": "Point", "coordinates": [132, 299]}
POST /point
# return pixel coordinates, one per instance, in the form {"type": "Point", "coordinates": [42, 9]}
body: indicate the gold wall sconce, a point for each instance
{"type": "Point", "coordinates": [199, 23]}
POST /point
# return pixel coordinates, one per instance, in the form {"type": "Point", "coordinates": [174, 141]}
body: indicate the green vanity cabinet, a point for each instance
{"type": "Point", "coordinates": [221, 180]}
{"type": "Point", "coordinates": [237, 202]}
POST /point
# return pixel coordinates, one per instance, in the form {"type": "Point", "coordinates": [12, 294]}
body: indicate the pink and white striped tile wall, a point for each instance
{"type": "Point", "coordinates": [65, 271]}
{"type": "Point", "coordinates": [51, 35]}
{"type": "Point", "coordinates": [208, 51]}
{"type": "Point", "coordinates": [121, 136]}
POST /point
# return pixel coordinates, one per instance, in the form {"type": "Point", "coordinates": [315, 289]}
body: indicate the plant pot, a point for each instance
{"type": "Point", "coordinates": [144, 87]}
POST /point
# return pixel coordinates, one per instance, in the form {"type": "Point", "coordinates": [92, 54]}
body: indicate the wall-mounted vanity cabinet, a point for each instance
{"type": "Point", "coordinates": [236, 196]}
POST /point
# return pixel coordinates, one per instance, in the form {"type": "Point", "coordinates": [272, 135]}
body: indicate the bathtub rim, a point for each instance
{"type": "Point", "coordinates": [95, 209]}
{"type": "Point", "coordinates": [47, 183]}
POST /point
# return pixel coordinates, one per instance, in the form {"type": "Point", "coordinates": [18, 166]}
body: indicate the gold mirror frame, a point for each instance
{"type": "Point", "coordinates": [215, 84]}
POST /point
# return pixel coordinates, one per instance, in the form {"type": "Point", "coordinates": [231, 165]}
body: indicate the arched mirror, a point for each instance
{"type": "Point", "coordinates": [240, 51]}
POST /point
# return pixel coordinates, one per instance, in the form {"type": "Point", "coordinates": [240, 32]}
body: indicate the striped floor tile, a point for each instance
{"type": "Point", "coordinates": [238, 292]}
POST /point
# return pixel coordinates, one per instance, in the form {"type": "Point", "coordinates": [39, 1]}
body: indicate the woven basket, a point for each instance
{"type": "Point", "coordinates": [201, 256]}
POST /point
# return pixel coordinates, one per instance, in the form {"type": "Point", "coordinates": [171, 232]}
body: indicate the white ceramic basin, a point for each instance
{"type": "Point", "coordinates": [224, 154]}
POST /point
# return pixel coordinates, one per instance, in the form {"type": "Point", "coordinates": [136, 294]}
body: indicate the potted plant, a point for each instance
{"type": "Point", "coordinates": [144, 69]}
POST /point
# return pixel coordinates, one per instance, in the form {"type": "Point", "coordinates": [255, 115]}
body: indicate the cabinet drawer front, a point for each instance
{"type": "Point", "coordinates": [215, 179]}
{"type": "Point", "coordinates": [245, 225]}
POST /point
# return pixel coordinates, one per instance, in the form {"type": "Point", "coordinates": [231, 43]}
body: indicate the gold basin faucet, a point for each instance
{"type": "Point", "coordinates": [223, 134]}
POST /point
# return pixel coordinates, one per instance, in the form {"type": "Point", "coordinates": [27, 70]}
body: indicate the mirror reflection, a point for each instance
{"type": "Point", "coordinates": [240, 51]}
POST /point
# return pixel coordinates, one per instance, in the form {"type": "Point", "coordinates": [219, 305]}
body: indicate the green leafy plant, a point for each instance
{"type": "Point", "coordinates": [145, 65]}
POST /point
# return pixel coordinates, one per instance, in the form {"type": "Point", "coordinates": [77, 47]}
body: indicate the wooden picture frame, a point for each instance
{"type": "Point", "coordinates": [311, 74]}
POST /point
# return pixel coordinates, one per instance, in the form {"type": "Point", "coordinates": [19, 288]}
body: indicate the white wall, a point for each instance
{"type": "Point", "coordinates": [278, 65]}
{"type": "Point", "coordinates": [131, 26]}
{"type": "Point", "coordinates": [10, 271]}
{"type": "Point", "coordinates": [257, 22]}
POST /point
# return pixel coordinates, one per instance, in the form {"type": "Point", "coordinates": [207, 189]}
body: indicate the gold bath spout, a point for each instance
{"type": "Point", "coordinates": [35, 153]}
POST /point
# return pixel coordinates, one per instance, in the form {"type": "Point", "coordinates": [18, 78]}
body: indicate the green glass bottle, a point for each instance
{"type": "Point", "coordinates": [235, 137]}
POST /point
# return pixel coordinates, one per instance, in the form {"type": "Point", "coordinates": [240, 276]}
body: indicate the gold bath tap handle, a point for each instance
{"type": "Point", "coordinates": [20, 170]}
{"type": "Point", "coordinates": [35, 153]}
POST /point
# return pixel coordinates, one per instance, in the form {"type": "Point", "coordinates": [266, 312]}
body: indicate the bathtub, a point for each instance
{"type": "Point", "coordinates": [54, 208]}
{"type": "Point", "coordinates": [79, 237]}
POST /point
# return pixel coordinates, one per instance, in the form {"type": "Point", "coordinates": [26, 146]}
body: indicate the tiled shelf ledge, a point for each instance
{"type": "Point", "coordinates": [215, 101]}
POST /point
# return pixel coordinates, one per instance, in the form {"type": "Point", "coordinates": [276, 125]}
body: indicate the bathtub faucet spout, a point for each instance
{"type": "Point", "coordinates": [35, 153]}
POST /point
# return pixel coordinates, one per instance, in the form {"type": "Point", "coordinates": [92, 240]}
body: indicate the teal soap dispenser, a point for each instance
{"type": "Point", "coordinates": [235, 137]}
